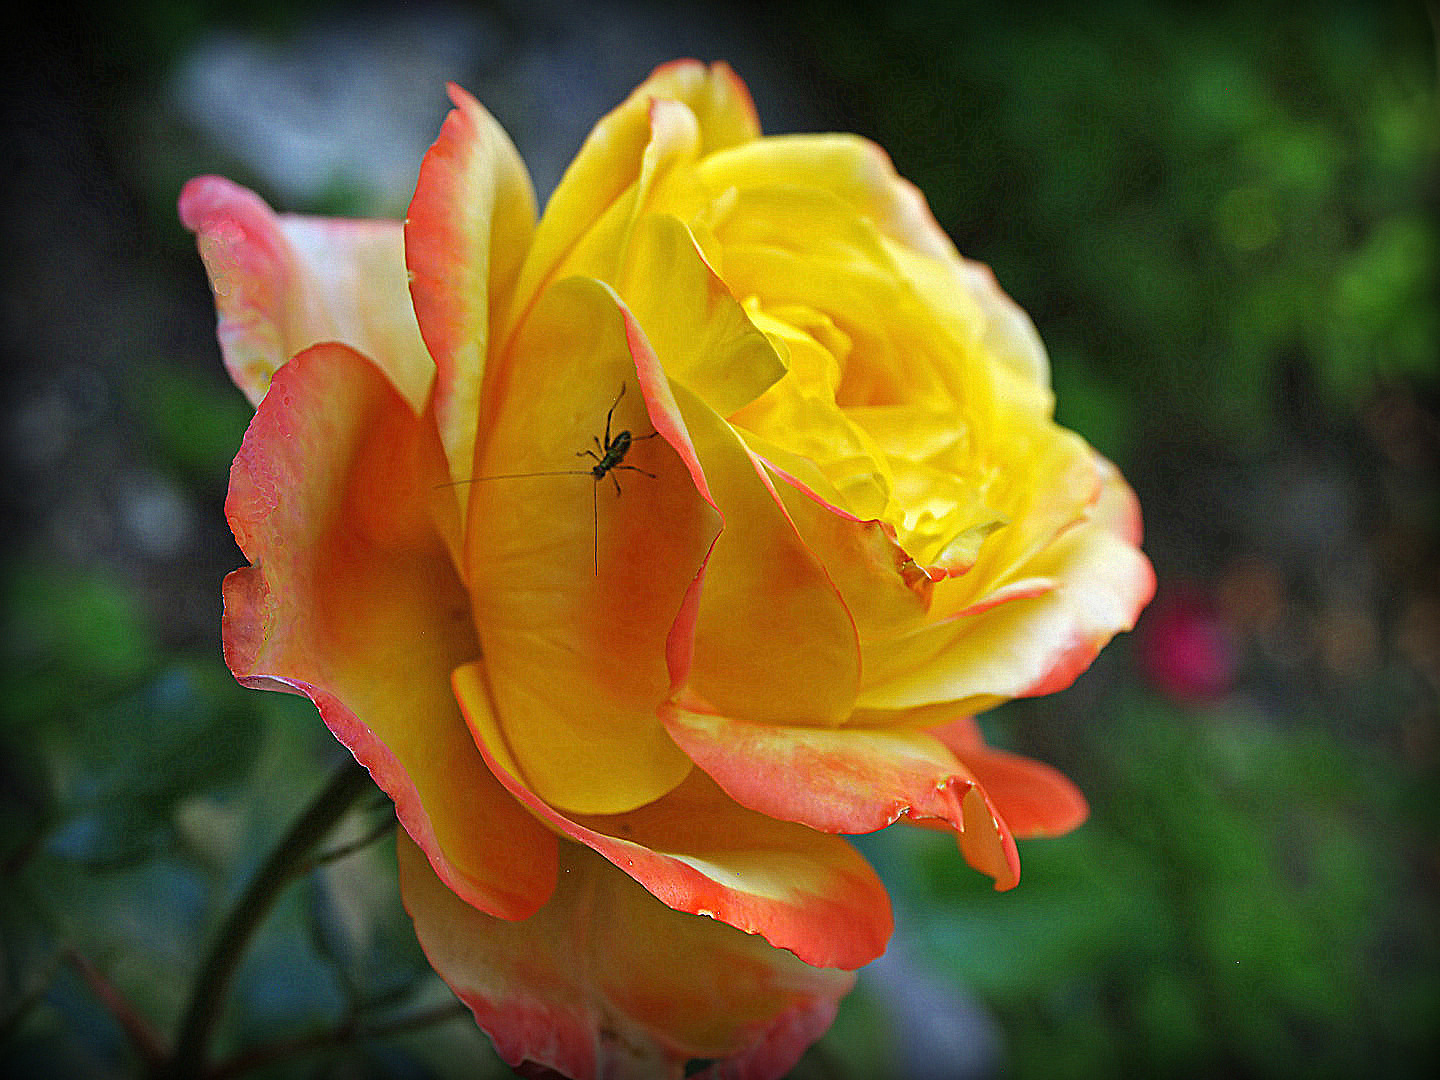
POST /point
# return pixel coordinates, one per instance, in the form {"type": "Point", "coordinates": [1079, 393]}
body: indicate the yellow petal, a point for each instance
{"type": "Point", "coordinates": [703, 337]}
{"type": "Point", "coordinates": [576, 579]}
{"type": "Point", "coordinates": [885, 593]}
{"type": "Point", "coordinates": [1043, 481]}
{"type": "Point", "coordinates": [700, 851]}
{"type": "Point", "coordinates": [773, 639]}
{"type": "Point", "coordinates": [855, 169]}
{"type": "Point", "coordinates": [800, 417]}
{"type": "Point", "coordinates": [598, 190]}
{"type": "Point", "coordinates": [1009, 335]}
{"type": "Point", "coordinates": [1093, 582]}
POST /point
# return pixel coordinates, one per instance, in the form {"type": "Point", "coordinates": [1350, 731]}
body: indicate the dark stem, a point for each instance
{"type": "Point", "coordinates": [344, 851]}
{"type": "Point", "coordinates": [285, 1049]}
{"type": "Point", "coordinates": [137, 1029]}
{"type": "Point", "coordinates": [228, 946]}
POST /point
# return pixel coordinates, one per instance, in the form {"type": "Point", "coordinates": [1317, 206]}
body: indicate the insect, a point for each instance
{"type": "Point", "coordinates": [609, 458]}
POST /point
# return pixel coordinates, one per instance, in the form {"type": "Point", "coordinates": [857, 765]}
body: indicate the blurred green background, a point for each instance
{"type": "Point", "coordinates": [1223, 219]}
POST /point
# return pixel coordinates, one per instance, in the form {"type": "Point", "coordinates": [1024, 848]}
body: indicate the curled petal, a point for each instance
{"type": "Point", "coordinates": [606, 983]}
{"type": "Point", "coordinates": [284, 282]}
{"type": "Point", "coordinates": [1036, 642]}
{"type": "Point", "coordinates": [798, 426]}
{"type": "Point", "coordinates": [849, 780]}
{"type": "Point", "coordinates": [466, 232]}
{"type": "Point", "coordinates": [1050, 485]}
{"type": "Point", "coordinates": [1032, 798]}
{"type": "Point", "coordinates": [701, 334]}
{"type": "Point", "coordinates": [603, 178]}
{"type": "Point", "coordinates": [698, 851]}
{"type": "Point", "coordinates": [715, 94]}
{"type": "Point", "coordinates": [352, 600]}
{"type": "Point", "coordinates": [883, 589]}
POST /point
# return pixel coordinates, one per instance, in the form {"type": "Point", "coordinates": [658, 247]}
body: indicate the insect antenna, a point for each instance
{"type": "Point", "coordinates": [608, 457]}
{"type": "Point", "coordinates": [514, 476]}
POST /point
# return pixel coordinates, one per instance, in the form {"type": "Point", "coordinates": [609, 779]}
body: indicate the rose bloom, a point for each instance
{"type": "Point", "coordinates": [811, 515]}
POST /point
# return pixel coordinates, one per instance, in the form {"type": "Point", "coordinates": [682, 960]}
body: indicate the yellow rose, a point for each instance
{"type": "Point", "coordinates": [650, 547]}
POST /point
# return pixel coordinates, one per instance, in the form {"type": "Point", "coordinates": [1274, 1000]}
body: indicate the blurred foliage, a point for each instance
{"type": "Point", "coordinates": [141, 791]}
{"type": "Point", "coordinates": [1184, 197]}
{"type": "Point", "coordinates": [1223, 219]}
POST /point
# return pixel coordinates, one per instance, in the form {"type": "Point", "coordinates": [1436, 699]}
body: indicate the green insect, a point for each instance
{"type": "Point", "coordinates": [609, 457]}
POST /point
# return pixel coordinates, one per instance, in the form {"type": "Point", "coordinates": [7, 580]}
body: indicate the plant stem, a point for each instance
{"type": "Point", "coordinates": [344, 851]}
{"type": "Point", "coordinates": [143, 1039]}
{"type": "Point", "coordinates": [284, 1050]}
{"type": "Point", "coordinates": [289, 856]}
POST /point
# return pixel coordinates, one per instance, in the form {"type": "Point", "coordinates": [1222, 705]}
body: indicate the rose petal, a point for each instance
{"type": "Point", "coordinates": [609, 165]}
{"type": "Point", "coordinates": [576, 587]}
{"type": "Point", "coordinates": [848, 781]}
{"type": "Point", "coordinates": [884, 591]}
{"type": "Point", "coordinates": [607, 982]}
{"type": "Point", "coordinates": [862, 175]}
{"type": "Point", "coordinates": [698, 851]}
{"type": "Point", "coordinates": [800, 418]}
{"type": "Point", "coordinates": [1031, 644]}
{"type": "Point", "coordinates": [283, 282]}
{"type": "Point", "coordinates": [701, 334]}
{"type": "Point", "coordinates": [602, 250]}
{"type": "Point", "coordinates": [466, 233]}
{"type": "Point", "coordinates": [851, 167]}
{"type": "Point", "coordinates": [353, 601]}
{"type": "Point", "coordinates": [1033, 798]}
{"type": "Point", "coordinates": [772, 637]}
{"type": "Point", "coordinates": [1049, 485]}
{"type": "Point", "coordinates": [841, 264]}
{"type": "Point", "coordinates": [1010, 336]}
{"type": "Point", "coordinates": [715, 94]}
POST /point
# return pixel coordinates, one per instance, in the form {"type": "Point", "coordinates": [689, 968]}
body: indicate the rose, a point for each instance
{"type": "Point", "coordinates": [825, 517]}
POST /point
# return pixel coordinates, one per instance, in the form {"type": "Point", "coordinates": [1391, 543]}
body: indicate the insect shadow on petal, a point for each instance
{"type": "Point", "coordinates": [609, 458]}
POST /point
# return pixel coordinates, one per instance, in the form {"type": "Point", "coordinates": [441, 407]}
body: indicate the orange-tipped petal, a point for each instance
{"type": "Point", "coordinates": [1033, 798]}
{"type": "Point", "coordinates": [773, 638]}
{"type": "Point", "coordinates": [352, 600]}
{"type": "Point", "coordinates": [698, 851]}
{"type": "Point", "coordinates": [849, 781]}
{"type": "Point", "coordinates": [284, 282]}
{"type": "Point", "coordinates": [1036, 642]}
{"type": "Point", "coordinates": [606, 983]}
{"type": "Point", "coordinates": [577, 579]}
{"type": "Point", "coordinates": [466, 233]}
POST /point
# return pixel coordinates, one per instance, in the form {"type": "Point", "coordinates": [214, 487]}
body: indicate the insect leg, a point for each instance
{"type": "Point", "coordinates": [611, 413]}
{"type": "Point", "coordinates": [635, 468]}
